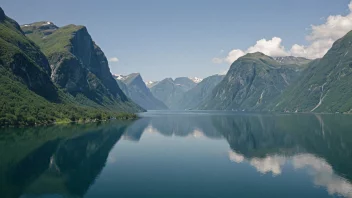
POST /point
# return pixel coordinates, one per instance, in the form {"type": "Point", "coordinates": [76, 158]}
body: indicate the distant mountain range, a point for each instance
{"type": "Point", "coordinates": [195, 96]}
{"type": "Point", "coordinates": [171, 91]}
{"type": "Point", "coordinates": [257, 82]}
{"type": "Point", "coordinates": [135, 88]}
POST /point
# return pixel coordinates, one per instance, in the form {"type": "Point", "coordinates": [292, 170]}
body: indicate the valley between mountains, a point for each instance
{"type": "Point", "coordinates": [51, 74]}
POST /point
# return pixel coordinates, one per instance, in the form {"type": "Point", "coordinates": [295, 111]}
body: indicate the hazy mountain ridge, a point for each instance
{"type": "Point", "coordinates": [195, 96]}
{"type": "Point", "coordinates": [135, 88]}
{"type": "Point", "coordinates": [171, 91]}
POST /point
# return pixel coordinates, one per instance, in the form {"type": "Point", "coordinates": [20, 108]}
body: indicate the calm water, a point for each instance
{"type": "Point", "coordinates": [182, 154]}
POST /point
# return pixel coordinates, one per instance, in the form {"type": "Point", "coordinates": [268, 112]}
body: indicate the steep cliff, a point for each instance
{"type": "Point", "coordinates": [78, 65]}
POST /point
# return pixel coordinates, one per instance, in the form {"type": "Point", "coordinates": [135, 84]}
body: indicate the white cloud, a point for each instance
{"type": "Point", "coordinates": [320, 40]}
{"type": "Point", "coordinates": [320, 170]}
{"type": "Point", "coordinates": [323, 36]}
{"type": "Point", "coordinates": [234, 55]}
{"type": "Point", "coordinates": [235, 157]}
{"type": "Point", "coordinates": [269, 164]}
{"type": "Point", "coordinates": [271, 47]}
{"type": "Point", "coordinates": [114, 59]}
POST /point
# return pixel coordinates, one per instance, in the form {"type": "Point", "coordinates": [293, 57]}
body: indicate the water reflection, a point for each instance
{"type": "Point", "coordinates": [67, 160]}
{"type": "Point", "coordinates": [55, 160]}
{"type": "Point", "coordinates": [319, 143]}
{"type": "Point", "coordinates": [321, 172]}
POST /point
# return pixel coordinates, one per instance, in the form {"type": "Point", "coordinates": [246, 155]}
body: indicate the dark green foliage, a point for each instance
{"type": "Point", "coordinates": [20, 106]}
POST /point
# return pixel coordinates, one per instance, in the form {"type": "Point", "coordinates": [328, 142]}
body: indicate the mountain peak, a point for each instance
{"type": "Point", "coordinates": [40, 24]}
{"type": "Point", "coordinates": [46, 27]}
{"type": "Point", "coordinates": [256, 55]}
{"type": "Point", "coordinates": [133, 78]}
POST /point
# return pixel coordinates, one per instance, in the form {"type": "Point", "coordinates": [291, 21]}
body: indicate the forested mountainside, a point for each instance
{"type": "Point", "coordinates": [27, 94]}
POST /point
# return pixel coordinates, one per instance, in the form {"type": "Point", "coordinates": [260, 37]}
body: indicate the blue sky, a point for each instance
{"type": "Point", "coordinates": [164, 38]}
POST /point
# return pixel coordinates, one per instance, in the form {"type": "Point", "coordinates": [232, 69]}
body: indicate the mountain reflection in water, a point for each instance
{"type": "Point", "coordinates": [68, 160]}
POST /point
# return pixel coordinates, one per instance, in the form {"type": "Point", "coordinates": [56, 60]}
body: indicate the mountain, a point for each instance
{"type": "Point", "coordinates": [27, 94]}
{"type": "Point", "coordinates": [196, 79]}
{"type": "Point", "coordinates": [325, 86]}
{"type": "Point", "coordinates": [135, 88]}
{"type": "Point", "coordinates": [292, 60]}
{"type": "Point", "coordinates": [185, 83]}
{"type": "Point", "coordinates": [192, 98]}
{"type": "Point", "coordinates": [79, 66]}
{"type": "Point", "coordinates": [150, 83]}
{"type": "Point", "coordinates": [171, 91]}
{"type": "Point", "coordinates": [252, 82]}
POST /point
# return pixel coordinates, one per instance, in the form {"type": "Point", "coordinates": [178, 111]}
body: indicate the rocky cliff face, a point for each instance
{"type": "Point", "coordinates": [325, 86]}
{"type": "Point", "coordinates": [78, 65]}
{"type": "Point", "coordinates": [135, 88]}
{"type": "Point", "coordinates": [252, 82]}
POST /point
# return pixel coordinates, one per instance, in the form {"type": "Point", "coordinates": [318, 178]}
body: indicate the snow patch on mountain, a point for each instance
{"type": "Point", "coordinates": [119, 77]}
{"type": "Point", "coordinates": [196, 79]}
